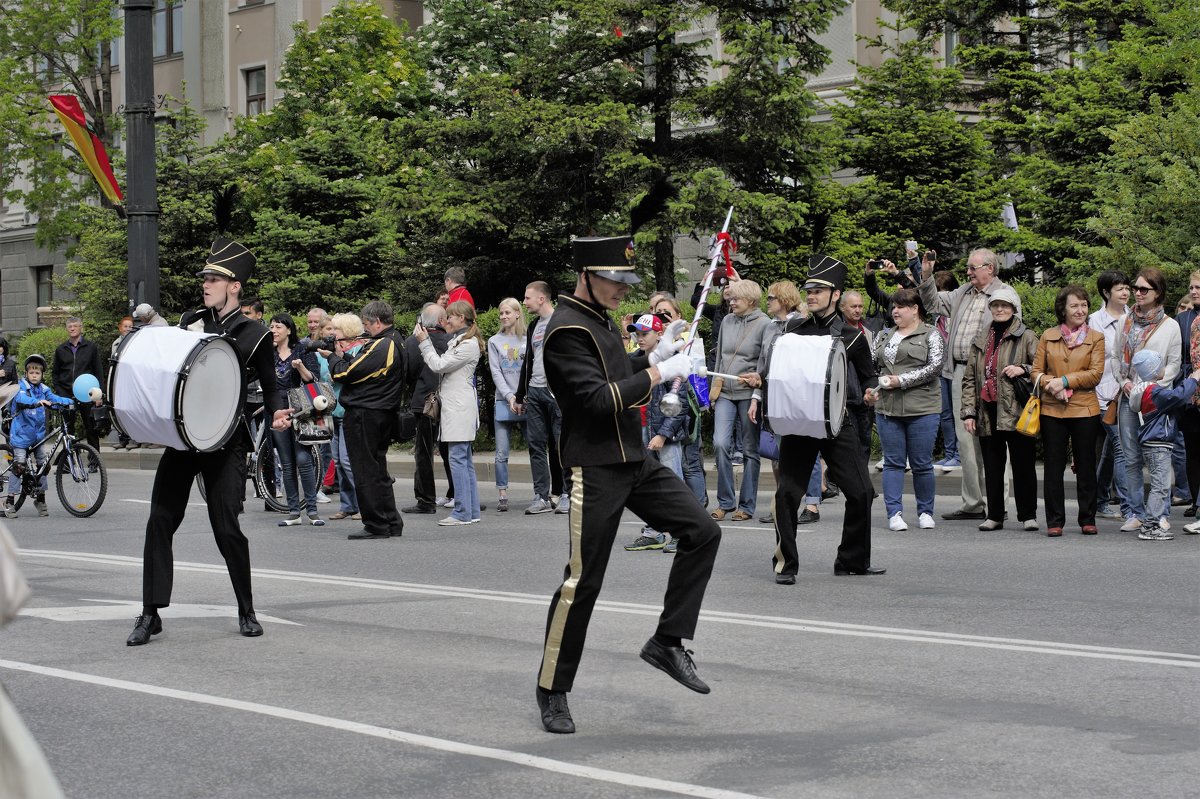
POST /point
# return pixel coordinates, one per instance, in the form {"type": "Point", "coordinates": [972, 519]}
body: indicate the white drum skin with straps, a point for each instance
{"type": "Point", "coordinates": [806, 389]}
{"type": "Point", "coordinates": [177, 388]}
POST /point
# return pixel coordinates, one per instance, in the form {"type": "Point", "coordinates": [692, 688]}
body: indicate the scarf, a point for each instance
{"type": "Point", "coordinates": [1138, 330]}
{"type": "Point", "coordinates": [991, 358]}
{"type": "Point", "coordinates": [1073, 339]}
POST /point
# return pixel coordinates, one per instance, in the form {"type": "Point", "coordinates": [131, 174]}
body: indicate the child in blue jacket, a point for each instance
{"type": "Point", "coordinates": [29, 427]}
{"type": "Point", "coordinates": [1160, 409]}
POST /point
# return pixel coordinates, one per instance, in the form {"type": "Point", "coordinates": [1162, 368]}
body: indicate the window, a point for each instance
{"type": "Point", "coordinates": [256, 90]}
{"type": "Point", "coordinates": [252, 2]}
{"type": "Point", "coordinates": [168, 28]}
{"type": "Point", "coordinates": [45, 285]}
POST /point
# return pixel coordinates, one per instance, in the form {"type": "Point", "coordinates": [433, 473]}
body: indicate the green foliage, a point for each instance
{"type": "Point", "coordinates": [63, 46]}
{"type": "Point", "coordinates": [1037, 305]}
{"type": "Point", "coordinates": [43, 342]}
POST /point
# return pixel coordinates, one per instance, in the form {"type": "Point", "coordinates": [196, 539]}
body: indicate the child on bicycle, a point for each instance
{"type": "Point", "coordinates": [28, 410]}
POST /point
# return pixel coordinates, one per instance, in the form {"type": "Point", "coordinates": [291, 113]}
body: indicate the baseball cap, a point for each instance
{"type": "Point", "coordinates": [646, 322]}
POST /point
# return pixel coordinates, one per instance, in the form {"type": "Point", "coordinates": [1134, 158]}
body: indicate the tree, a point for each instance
{"type": "Point", "coordinates": [922, 164]}
{"type": "Point", "coordinates": [48, 46]}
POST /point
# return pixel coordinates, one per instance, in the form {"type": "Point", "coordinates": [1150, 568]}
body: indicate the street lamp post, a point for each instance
{"type": "Point", "coordinates": [141, 200]}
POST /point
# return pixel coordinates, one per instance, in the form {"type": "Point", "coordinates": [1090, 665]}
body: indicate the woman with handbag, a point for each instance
{"type": "Point", "coordinates": [908, 405]}
{"type": "Point", "coordinates": [348, 330]}
{"type": "Point", "coordinates": [506, 356]}
{"type": "Point", "coordinates": [739, 343]}
{"type": "Point", "coordinates": [1147, 326]}
{"type": "Point", "coordinates": [293, 368]}
{"type": "Point", "coordinates": [458, 411]}
{"type": "Point", "coordinates": [995, 389]}
{"type": "Point", "coordinates": [1067, 367]}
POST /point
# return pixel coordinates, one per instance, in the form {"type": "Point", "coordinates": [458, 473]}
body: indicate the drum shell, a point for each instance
{"type": "Point", "coordinates": [177, 388]}
{"type": "Point", "coordinates": [806, 389]}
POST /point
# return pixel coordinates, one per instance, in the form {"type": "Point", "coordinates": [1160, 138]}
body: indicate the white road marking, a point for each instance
{"type": "Point", "coordinates": [399, 736]}
{"type": "Point", "coordinates": [147, 502]}
{"type": "Point", "coordinates": [112, 610]}
{"type": "Point", "coordinates": [1152, 657]}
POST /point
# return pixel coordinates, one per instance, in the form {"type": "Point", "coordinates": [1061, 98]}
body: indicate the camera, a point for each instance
{"type": "Point", "coordinates": [326, 343]}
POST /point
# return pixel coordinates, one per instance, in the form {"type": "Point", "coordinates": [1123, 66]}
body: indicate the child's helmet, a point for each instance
{"type": "Point", "coordinates": [37, 359]}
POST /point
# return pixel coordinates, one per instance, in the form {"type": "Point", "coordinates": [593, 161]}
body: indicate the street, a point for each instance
{"type": "Point", "coordinates": [981, 664]}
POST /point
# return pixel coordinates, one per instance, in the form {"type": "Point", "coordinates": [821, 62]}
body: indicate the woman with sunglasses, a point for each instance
{"type": "Point", "coordinates": [1146, 327]}
{"type": "Point", "coordinates": [294, 366]}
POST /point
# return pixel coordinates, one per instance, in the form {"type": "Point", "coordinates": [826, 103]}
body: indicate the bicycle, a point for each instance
{"type": "Point", "coordinates": [80, 477]}
{"type": "Point", "coordinates": [260, 465]}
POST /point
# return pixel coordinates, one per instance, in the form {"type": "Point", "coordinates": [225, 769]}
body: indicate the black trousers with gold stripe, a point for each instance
{"type": "Point", "coordinates": [843, 456]}
{"type": "Point", "coordinates": [599, 495]}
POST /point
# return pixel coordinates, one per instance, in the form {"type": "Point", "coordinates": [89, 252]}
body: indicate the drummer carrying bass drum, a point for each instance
{"type": "Point", "coordinates": [826, 277]}
{"type": "Point", "coordinates": [228, 267]}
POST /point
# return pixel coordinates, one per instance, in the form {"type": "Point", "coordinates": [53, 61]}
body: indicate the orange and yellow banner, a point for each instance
{"type": "Point", "coordinates": [89, 145]}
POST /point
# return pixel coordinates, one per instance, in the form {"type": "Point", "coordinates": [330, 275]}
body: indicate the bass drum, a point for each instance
{"type": "Point", "coordinates": [176, 388]}
{"type": "Point", "coordinates": [806, 386]}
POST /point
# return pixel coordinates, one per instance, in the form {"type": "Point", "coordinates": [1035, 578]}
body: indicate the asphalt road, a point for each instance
{"type": "Point", "coordinates": [982, 664]}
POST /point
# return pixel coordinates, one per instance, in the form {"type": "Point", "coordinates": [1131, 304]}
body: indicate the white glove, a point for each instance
{"type": "Point", "coordinates": [679, 365]}
{"type": "Point", "coordinates": [669, 343]}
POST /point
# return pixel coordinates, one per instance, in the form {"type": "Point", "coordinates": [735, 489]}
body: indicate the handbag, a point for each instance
{"type": "Point", "coordinates": [1022, 389]}
{"type": "Point", "coordinates": [1110, 413]}
{"type": "Point", "coordinates": [715, 384]}
{"type": "Point", "coordinates": [503, 413]}
{"type": "Point", "coordinates": [768, 445]}
{"type": "Point", "coordinates": [14, 591]}
{"type": "Point", "coordinates": [432, 409]}
{"type": "Point", "coordinates": [1030, 421]}
{"type": "Point", "coordinates": [312, 426]}
{"type": "Point", "coordinates": [406, 425]}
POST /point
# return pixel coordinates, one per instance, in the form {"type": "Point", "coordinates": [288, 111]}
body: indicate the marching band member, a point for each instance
{"type": "Point", "coordinates": [227, 268]}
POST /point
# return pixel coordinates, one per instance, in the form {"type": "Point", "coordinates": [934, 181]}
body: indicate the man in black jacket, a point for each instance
{"type": "Point", "coordinates": [74, 357]}
{"type": "Point", "coordinates": [826, 276]}
{"type": "Point", "coordinates": [228, 266]}
{"type": "Point", "coordinates": [425, 382]}
{"type": "Point", "coordinates": [371, 385]}
{"type": "Point", "coordinates": [600, 390]}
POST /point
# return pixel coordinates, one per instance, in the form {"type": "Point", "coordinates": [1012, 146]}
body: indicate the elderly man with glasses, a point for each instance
{"type": "Point", "coordinates": [969, 311]}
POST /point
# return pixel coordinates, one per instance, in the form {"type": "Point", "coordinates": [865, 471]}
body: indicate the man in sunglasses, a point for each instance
{"type": "Point", "coordinates": [969, 311]}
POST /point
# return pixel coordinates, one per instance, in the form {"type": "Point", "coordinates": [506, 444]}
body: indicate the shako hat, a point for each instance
{"type": "Point", "coordinates": [825, 272]}
{"type": "Point", "coordinates": [230, 260]}
{"type": "Point", "coordinates": [608, 257]}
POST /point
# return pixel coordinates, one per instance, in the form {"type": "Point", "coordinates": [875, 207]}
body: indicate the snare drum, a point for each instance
{"type": "Point", "coordinates": [806, 389]}
{"type": "Point", "coordinates": [177, 388]}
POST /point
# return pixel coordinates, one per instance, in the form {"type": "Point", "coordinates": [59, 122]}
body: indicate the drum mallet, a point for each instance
{"type": "Point", "coordinates": [703, 372]}
{"type": "Point", "coordinates": [670, 404]}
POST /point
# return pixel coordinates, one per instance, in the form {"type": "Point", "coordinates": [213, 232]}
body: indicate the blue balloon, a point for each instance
{"type": "Point", "coordinates": [82, 385]}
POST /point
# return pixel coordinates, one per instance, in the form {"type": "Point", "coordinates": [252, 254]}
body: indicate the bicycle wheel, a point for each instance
{"type": "Point", "coordinates": [264, 463]}
{"type": "Point", "coordinates": [83, 484]}
{"type": "Point", "coordinates": [6, 467]}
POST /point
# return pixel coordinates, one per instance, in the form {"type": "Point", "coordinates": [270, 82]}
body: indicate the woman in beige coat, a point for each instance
{"type": "Point", "coordinates": [1067, 368]}
{"type": "Point", "coordinates": [459, 416]}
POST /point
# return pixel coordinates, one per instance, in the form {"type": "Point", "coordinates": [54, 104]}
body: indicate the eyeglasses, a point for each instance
{"type": "Point", "coordinates": [977, 268]}
{"type": "Point", "coordinates": [771, 297]}
{"type": "Point", "coordinates": [1142, 289]}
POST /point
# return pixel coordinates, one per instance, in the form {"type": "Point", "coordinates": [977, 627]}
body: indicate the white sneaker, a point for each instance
{"type": "Point", "coordinates": [1164, 523]}
{"type": "Point", "coordinates": [897, 523]}
{"type": "Point", "coordinates": [879, 465]}
{"type": "Point", "coordinates": [925, 521]}
{"type": "Point", "coordinates": [450, 521]}
{"type": "Point", "coordinates": [1131, 525]}
{"type": "Point", "coordinates": [1192, 529]}
{"type": "Point", "coordinates": [444, 502]}
{"type": "Point", "coordinates": [321, 498]}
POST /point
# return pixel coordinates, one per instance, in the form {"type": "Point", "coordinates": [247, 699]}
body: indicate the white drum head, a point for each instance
{"type": "Point", "coordinates": [835, 397]}
{"type": "Point", "coordinates": [208, 407]}
{"type": "Point", "coordinates": [806, 386]}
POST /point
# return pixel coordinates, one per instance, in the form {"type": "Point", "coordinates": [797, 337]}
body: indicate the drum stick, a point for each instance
{"type": "Point", "coordinates": [703, 372]}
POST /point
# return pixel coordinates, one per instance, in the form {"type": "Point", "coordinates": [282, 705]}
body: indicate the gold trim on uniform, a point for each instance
{"type": "Point", "coordinates": [209, 267]}
{"type": "Point", "coordinates": [617, 406]}
{"type": "Point", "coordinates": [621, 268]}
{"type": "Point", "coordinates": [566, 593]}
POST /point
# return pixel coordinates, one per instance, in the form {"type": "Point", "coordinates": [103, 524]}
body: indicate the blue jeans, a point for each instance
{"type": "Point", "coordinates": [503, 443]}
{"type": "Point", "coordinates": [1135, 484]}
{"type": "Point", "coordinates": [466, 490]}
{"type": "Point", "coordinates": [813, 497]}
{"type": "Point", "coordinates": [542, 425]}
{"type": "Point", "coordinates": [19, 456]}
{"type": "Point", "coordinates": [1159, 462]}
{"type": "Point", "coordinates": [345, 477]}
{"type": "Point", "coordinates": [946, 422]}
{"type": "Point", "coordinates": [726, 412]}
{"type": "Point", "coordinates": [296, 459]}
{"type": "Point", "coordinates": [1111, 470]}
{"type": "Point", "coordinates": [693, 472]}
{"type": "Point", "coordinates": [907, 439]}
{"type": "Point", "coordinates": [1179, 465]}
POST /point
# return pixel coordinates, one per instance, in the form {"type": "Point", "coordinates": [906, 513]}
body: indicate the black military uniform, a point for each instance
{"type": "Point", "coordinates": [224, 470]}
{"type": "Point", "coordinates": [600, 388]}
{"type": "Point", "coordinates": [842, 453]}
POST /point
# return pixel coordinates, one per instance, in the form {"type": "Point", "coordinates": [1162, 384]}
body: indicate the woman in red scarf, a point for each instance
{"type": "Point", "coordinates": [1067, 368]}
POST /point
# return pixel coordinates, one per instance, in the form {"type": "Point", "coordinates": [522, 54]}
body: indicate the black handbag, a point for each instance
{"type": "Point", "coordinates": [1022, 390]}
{"type": "Point", "coordinates": [406, 425]}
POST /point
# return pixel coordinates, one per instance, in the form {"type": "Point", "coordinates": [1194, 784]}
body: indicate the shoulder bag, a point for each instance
{"type": "Point", "coordinates": [1030, 421]}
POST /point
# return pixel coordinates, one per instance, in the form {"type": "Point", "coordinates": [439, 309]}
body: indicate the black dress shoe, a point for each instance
{"type": "Point", "coordinates": [419, 508]}
{"type": "Point", "coordinates": [365, 536]}
{"type": "Point", "coordinates": [842, 571]}
{"type": "Point", "coordinates": [556, 716]}
{"type": "Point", "coordinates": [831, 492]}
{"type": "Point", "coordinates": [1190, 512]}
{"type": "Point", "coordinates": [961, 515]}
{"type": "Point", "coordinates": [248, 625]}
{"type": "Point", "coordinates": [785, 579]}
{"type": "Point", "coordinates": [143, 628]}
{"type": "Point", "coordinates": [675, 661]}
{"type": "Point", "coordinates": [809, 516]}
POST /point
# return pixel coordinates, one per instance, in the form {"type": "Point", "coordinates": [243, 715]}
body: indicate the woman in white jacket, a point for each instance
{"type": "Point", "coordinates": [459, 417]}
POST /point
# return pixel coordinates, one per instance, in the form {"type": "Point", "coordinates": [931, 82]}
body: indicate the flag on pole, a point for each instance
{"type": "Point", "coordinates": [69, 112]}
